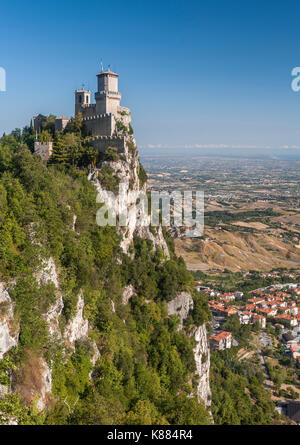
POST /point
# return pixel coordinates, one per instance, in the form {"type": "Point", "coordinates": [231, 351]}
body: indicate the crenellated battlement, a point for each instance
{"type": "Point", "coordinates": [101, 143]}
{"type": "Point", "coordinates": [97, 116]}
{"type": "Point", "coordinates": [96, 138]}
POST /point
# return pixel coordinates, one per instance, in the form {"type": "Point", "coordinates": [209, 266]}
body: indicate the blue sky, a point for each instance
{"type": "Point", "coordinates": [194, 73]}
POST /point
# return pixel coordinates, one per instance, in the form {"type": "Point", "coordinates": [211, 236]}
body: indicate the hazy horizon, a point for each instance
{"type": "Point", "coordinates": [279, 154]}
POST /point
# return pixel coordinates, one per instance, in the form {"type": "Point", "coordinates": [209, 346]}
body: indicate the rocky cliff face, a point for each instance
{"type": "Point", "coordinates": [181, 306]}
{"type": "Point", "coordinates": [45, 388]}
{"type": "Point", "coordinates": [128, 291]}
{"type": "Point", "coordinates": [47, 272]}
{"type": "Point", "coordinates": [52, 317]}
{"type": "Point", "coordinates": [40, 386]}
{"type": "Point", "coordinates": [9, 330]}
{"type": "Point", "coordinates": [78, 326]}
{"type": "Point", "coordinates": [202, 360]}
{"type": "Point", "coordinates": [127, 170]}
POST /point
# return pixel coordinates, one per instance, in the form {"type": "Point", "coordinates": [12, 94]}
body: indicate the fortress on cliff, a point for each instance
{"type": "Point", "coordinates": [106, 122]}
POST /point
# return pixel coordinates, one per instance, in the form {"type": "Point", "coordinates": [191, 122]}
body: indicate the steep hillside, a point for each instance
{"type": "Point", "coordinates": [237, 251]}
{"type": "Point", "coordinates": [98, 325]}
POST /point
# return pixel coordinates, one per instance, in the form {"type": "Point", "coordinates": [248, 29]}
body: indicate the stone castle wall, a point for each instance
{"type": "Point", "coordinates": [101, 143]}
{"type": "Point", "coordinates": [87, 110]}
{"type": "Point", "coordinates": [100, 125]}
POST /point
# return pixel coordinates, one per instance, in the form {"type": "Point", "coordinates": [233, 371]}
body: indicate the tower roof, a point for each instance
{"type": "Point", "coordinates": [108, 72]}
{"type": "Point", "coordinates": [82, 91]}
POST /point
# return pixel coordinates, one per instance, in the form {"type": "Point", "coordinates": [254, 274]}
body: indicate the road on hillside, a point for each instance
{"type": "Point", "coordinates": [264, 341]}
{"type": "Point", "coordinates": [268, 381]}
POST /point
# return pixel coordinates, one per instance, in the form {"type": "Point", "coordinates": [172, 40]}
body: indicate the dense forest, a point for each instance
{"type": "Point", "coordinates": [238, 391]}
{"type": "Point", "coordinates": [145, 371]}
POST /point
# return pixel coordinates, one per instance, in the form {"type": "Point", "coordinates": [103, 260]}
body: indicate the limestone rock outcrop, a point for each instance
{"type": "Point", "coordinates": [47, 272]}
{"type": "Point", "coordinates": [45, 385]}
{"type": "Point", "coordinates": [128, 292]}
{"type": "Point", "coordinates": [202, 360]}
{"type": "Point", "coordinates": [181, 306]}
{"type": "Point", "coordinates": [52, 317]}
{"type": "Point", "coordinates": [9, 332]}
{"type": "Point", "coordinates": [127, 171]}
{"type": "Point", "coordinates": [77, 327]}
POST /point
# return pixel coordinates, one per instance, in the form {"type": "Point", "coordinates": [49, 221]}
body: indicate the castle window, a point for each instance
{"type": "Point", "coordinates": [87, 99]}
{"type": "Point", "coordinates": [79, 99]}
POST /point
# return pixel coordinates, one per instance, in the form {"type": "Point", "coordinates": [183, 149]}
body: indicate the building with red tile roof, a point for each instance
{"type": "Point", "coordinates": [221, 340]}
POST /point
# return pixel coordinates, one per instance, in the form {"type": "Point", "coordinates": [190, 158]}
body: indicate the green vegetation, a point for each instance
{"type": "Point", "coordinates": [241, 332]}
{"type": "Point", "coordinates": [70, 147]}
{"type": "Point", "coordinates": [227, 217]}
{"type": "Point", "coordinates": [229, 281]}
{"type": "Point", "coordinates": [142, 175]}
{"type": "Point", "coordinates": [238, 394]}
{"type": "Point", "coordinates": [108, 179]}
{"type": "Point", "coordinates": [145, 370]}
{"type": "Point", "coordinates": [12, 409]}
{"type": "Point", "coordinates": [122, 127]}
{"type": "Point", "coordinates": [111, 154]}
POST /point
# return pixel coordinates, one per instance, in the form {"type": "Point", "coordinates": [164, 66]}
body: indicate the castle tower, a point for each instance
{"type": "Point", "coordinates": [82, 99]}
{"type": "Point", "coordinates": [107, 97]}
{"type": "Point", "coordinates": [106, 118]}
